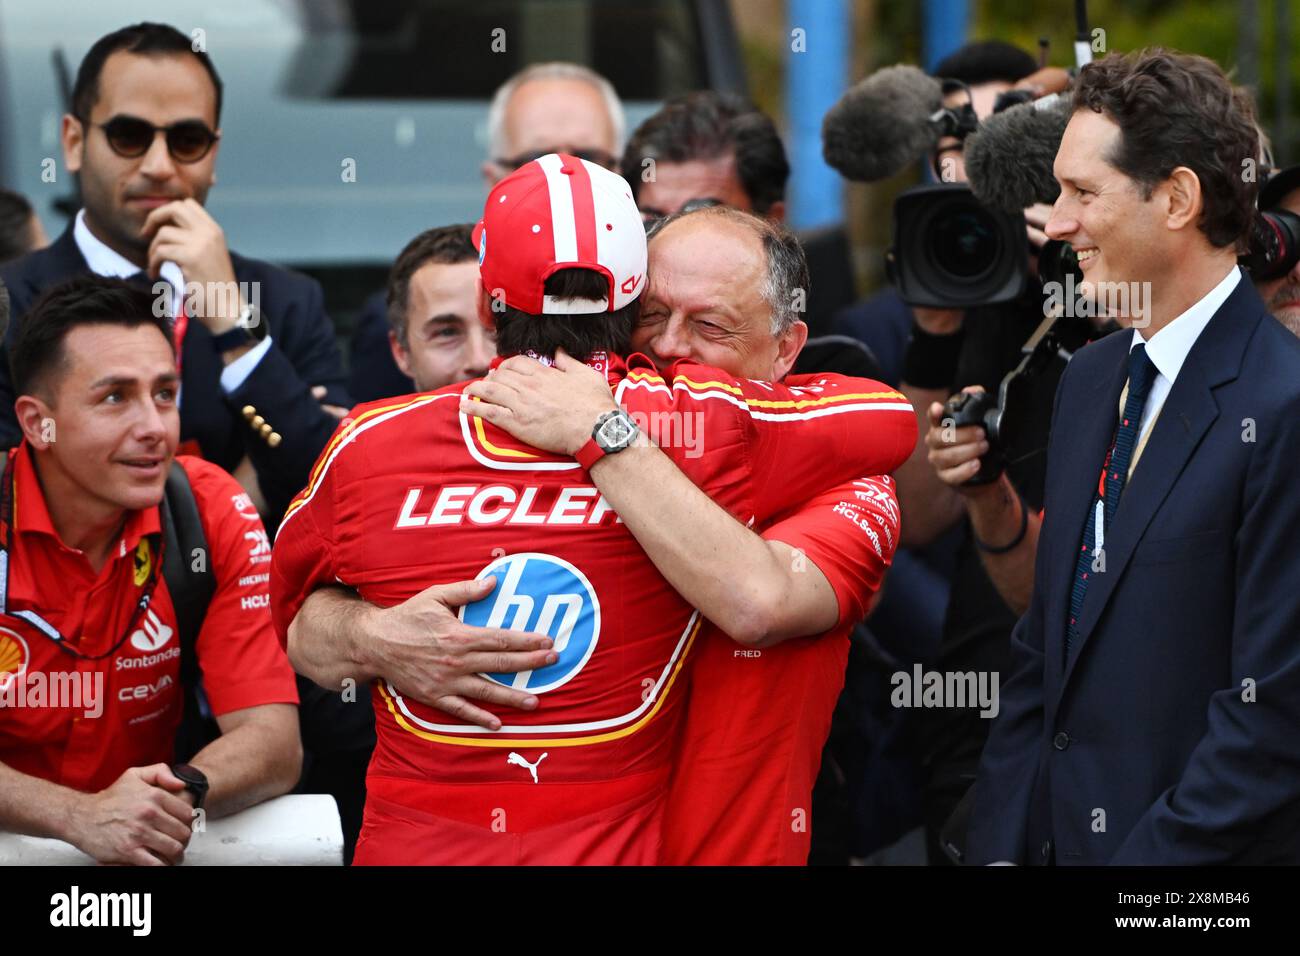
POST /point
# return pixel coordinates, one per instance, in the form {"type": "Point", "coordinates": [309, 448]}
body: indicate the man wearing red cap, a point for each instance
{"type": "Point", "coordinates": [416, 492]}
{"type": "Point", "coordinates": [757, 718]}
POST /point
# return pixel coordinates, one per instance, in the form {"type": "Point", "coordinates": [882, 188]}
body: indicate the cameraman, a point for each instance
{"type": "Point", "coordinates": [883, 322]}
{"type": "Point", "coordinates": [951, 350]}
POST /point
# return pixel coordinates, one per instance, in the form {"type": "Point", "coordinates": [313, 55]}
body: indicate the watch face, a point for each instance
{"type": "Point", "coordinates": [616, 433]}
{"type": "Point", "coordinates": [187, 773]}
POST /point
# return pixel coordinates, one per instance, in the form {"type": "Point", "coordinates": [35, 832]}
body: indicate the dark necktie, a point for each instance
{"type": "Point", "coordinates": [1114, 475]}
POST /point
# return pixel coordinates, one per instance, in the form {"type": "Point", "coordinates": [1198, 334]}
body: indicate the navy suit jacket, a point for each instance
{"type": "Point", "coordinates": [1171, 734]}
{"type": "Point", "coordinates": [303, 353]}
{"type": "Point", "coordinates": [375, 374]}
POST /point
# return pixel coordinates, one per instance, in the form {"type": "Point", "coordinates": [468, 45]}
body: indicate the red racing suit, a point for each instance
{"type": "Point", "coordinates": [411, 492]}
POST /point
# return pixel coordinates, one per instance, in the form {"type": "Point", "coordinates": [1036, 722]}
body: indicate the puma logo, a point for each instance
{"type": "Point", "coordinates": [517, 761]}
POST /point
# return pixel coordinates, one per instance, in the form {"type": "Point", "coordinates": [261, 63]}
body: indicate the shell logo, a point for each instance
{"type": "Point", "coordinates": [13, 656]}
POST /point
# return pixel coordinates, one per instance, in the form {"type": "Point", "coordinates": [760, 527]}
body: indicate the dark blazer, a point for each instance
{"type": "Point", "coordinates": [1171, 735]}
{"type": "Point", "coordinates": [303, 353]}
{"type": "Point", "coordinates": [374, 373]}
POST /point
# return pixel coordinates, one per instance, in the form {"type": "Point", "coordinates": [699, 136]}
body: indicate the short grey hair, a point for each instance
{"type": "Point", "coordinates": [551, 71]}
{"type": "Point", "coordinates": [785, 278]}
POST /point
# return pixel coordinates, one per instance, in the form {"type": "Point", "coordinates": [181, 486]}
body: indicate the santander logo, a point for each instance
{"type": "Point", "coordinates": [152, 635]}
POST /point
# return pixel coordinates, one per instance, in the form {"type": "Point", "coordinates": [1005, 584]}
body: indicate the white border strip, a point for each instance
{"type": "Point", "coordinates": [563, 223]}
{"type": "Point", "coordinates": [556, 728]}
{"type": "Point", "coordinates": [417, 403]}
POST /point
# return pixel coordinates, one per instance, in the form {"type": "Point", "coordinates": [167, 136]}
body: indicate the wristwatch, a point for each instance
{"type": "Point", "coordinates": [195, 780]}
{"type": "Point", "coordinates": [250, 328]}
{"type": "Point", "coordinates": [614, 431]}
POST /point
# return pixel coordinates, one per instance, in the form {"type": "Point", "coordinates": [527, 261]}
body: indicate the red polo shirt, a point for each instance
{"type": "Point", "coordinates": [757, 719]}
{"type": "Point", "coordinates": [81, 721]}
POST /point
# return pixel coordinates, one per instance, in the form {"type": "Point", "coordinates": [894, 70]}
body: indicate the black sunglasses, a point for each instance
{"type": "Point", "coordinates": [130, 137]}
{"type": "Point", "coordinates": [597, 156]}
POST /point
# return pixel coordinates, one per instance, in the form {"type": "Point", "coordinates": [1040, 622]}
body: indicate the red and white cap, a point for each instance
{"type": "Point", "coordinates": [560, 212]}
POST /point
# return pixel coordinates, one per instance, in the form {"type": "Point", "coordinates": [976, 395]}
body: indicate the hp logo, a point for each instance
{"type": "Point", "coordinates": [542, 594]}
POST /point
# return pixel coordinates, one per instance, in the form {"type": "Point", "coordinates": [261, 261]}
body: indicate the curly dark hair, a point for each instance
{"type": "Point", "coordinates": [707, 124]}
{"type": "Point", "coordinates": [1176, 109]}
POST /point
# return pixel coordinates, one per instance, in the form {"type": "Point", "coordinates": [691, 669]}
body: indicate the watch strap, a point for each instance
{"type": "Point", "coordinates": [195, 780]}
{"type": "Point", "coordinates": [234, 338]}
{"type": "Point", "coordinates": [590, 453]}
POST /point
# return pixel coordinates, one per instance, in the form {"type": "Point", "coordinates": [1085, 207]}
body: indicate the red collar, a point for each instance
{"type": "Point", "coordinates": [32, 515]}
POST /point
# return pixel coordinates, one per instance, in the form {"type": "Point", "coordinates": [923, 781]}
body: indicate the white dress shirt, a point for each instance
{"type": "Point", "coordinates": [107, 262]}
{"type": "Point", "coordinates": [1168, 349]}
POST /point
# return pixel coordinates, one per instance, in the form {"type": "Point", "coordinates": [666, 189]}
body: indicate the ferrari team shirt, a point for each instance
{"type": "Point", "coordinates": [82, 719]}
{"type": "Point", "coordinates": [757, 719]}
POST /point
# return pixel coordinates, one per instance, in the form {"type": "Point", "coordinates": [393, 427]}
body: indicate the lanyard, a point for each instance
{"type": "Point", "coordinates": [31, 617]}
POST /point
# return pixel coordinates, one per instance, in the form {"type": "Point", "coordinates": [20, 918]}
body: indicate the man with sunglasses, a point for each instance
{"type": "Point", "coordinates": [256, 349]}
{"type": "Point", "coordinates": [85, 605]}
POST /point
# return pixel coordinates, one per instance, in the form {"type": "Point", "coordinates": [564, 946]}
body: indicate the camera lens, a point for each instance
{"type": "Point", "coordinates": [1274, 244]}
{"type": "Point", "coordinates": [962, 242]}
{"type": "Point", "coordinates": [952, 252]}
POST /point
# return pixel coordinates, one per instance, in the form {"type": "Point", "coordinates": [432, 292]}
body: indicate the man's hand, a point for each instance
{"type": "Point", "coordinates": [1048, 79]}
{"type": "Point", "coordinates": [553, 409]}
{"type": "Point", "coordinates": [184, 233]}
{"type": "Point", "coordinates": [1036, 217]}
{"type": "Point", "coordinates": [424, 649]}
{"type": "Point", "coordinates": [142, 818]}
{"type": "Point", "coordinates": [319, 392]}
{"type": "Point", "coordinates": [954, 453]}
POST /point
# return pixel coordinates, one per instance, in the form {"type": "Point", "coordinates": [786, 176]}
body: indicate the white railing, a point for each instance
{"type": "Point", "coordinates": [302, 830]}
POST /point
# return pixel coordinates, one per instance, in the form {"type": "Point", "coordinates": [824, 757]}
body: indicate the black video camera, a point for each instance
{"type": "Point", "coordinates": [952, 252]}
{"type": "Point", "coordinates": [1005, 417]}
{"type": "Point", "coordinates": [1274, 244]}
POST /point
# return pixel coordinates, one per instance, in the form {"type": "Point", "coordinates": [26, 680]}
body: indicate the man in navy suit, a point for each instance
{"type": "Point", "coordinates": [1152, 710]}
{"type": "Point", "coordinates": [257, 351]}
